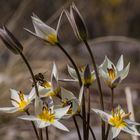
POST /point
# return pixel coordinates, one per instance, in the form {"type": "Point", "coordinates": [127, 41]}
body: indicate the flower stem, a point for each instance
{"type": "Point", "coordinates": [77, 128]}
{"type": "Point", "coordinates": [72, 61]}
{"type": "Point", "coordinates": [88, 113]}
{"type": "Point", "coordinates": [107, 132]}
{"type": "Point", "coordinates": [93, 135]}
{"type": "Point", "coordinates": [99, 84]}
{"type": "Point", "coordinates": [47, 134]}
{"type": "Point", "coordinates": [112, 107]}
{"type": "Point", "coordinates": [40, 134]}
{"type": "Point", "coordinates": [112, 99]}
{"type": "Point", "coordinates": [80, 83]}
{"type": "Point", "coordinates": [96, 73]}
{"type": "Point", "coordinates": [31, 72]}
{"type": "Point", "coordinates": [34, 127]}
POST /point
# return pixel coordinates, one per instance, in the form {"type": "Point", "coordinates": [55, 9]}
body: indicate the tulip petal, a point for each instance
{"type": "Point", "coordinates": [104, 75]}
{"type": "Point", "coordinates": [38, 105]}
{"type": "Point", "coordinates": [55, 71]}
{"type": "Point", "coordinates": [124, 72]}
{"type": "Point", "coordinates": [28, 118]}
{"type": "Point", "coordinates": [60, 126]}
{"type": "Point", "coordinates": [59, 113]}
{"type": "Point", "coordinates": [15, 95]}
{"type": "Point", "coordinates": [72, 22]}
{"type": "Point", "coordinates": [130, 122]}
{"type": "Point", "coordinates": [120, 63]}
{"type": "Point", "coordinates": [72, 72]}
{"type": "Point", "coordinates": [68, 80]}
{"type": "Point", "coordinates": [9, 109]}
{"type": "Point", "coordinates": [65, 94]}
{"type": "Point", "coordinates": [41, 28]}
{"type": "Point", "coordinates": [115, 132]}
{"type": "Point", "coordinates": [131, 130]}
{"type": "Point", "coordinates": [59, 21]}
{"type": "Point", "coordinates": [41, 124]}
{"type": "Point", "coordinates": [105, 116]}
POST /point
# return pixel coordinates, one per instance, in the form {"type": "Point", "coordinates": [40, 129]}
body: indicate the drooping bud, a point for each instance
{"type": "Point", "coordinates": [10, 41]}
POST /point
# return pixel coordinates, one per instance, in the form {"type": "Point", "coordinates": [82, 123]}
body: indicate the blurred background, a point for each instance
{"type": "Point", "coordinates": [114, 29]}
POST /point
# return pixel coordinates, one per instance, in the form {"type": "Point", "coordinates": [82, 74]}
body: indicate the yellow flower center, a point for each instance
{"type": "Point", "coordinates": [22, 103]}
{"type": "Point", "coordinates": [46, 115]}
{"type": "Point", "coordinates": [111, 73]}
{"type": "Point", "coordinates": [52, 39]}
{"type": "Point", "coordinates": [117, 119]}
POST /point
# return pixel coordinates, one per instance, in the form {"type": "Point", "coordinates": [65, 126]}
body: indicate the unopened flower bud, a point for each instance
{"type": "Point", "coordinates": [10, 41]}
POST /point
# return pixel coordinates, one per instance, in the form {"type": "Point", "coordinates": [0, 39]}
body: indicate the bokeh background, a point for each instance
{"type": "Point", "coordinates": [114, 29]}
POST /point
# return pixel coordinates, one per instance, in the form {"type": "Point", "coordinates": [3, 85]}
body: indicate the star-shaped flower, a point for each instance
{"type": "Point", "coordinates": [112, 74]}
{"type": "Point", "coordinates": [118, 120]}
{"type": "Point", "coordinates": [19, 101]}
{"type": "Point", "coordinates": [87, 76]}
{"type": "Point", "coordinates": [46, 115]}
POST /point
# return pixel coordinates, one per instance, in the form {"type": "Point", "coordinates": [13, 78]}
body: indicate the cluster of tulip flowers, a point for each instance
{"type": "Point", "coordinates": [52, 102]}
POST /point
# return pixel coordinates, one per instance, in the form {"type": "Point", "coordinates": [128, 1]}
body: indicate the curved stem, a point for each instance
{"type": "Point", "coordinates": [77, 128]}
{"type": "Point", "coordinates": [97, 74]}
{"type": "Point", "coordinates": [34, 127]}
{"type": "Point", "coordinates": [72, 61]}
{"type": "Point", "coordinates": [31, 72]}
{"type": "Point", "coordinates": [80, 83]}
{"type": "Point", "coordinates": [99, 84]}
{"type": "Point", "coordinates": [93, 135]}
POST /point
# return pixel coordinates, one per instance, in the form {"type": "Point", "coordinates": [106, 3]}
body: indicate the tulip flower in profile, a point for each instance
{"type": "Point", "coordinates": [19, 101]}
{"type": "Point", "coordinates": [10, 41]}
{"type": "Point", "coordinates": [46, 115]}
{"type": "Point", "coordinates": [45, 32]}
{"type": "Point", "coordinates": [77, 22]}
{"type": "Point", "coordinates": [119, 122]}
{"type": "Point", "coordinates": [112, 74]}
{"type": "Point", "coordinates": [87, 76]}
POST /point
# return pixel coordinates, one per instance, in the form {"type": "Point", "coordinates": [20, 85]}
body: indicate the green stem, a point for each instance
{"type": "Point", "coordinates": [80, 83]}
{"type": "Point", "coordinates": [47, 134]}
{"type": "Point", "coordinates": [88, 113]}
{"type": "Point", "coordinates": [34, 127]}
{"type": "Point", "coordinates": [31, 72]}
{"type": "Point", "coordinates": [99, 84]}
{"type": "Point", "coordinates": [92, 133]}
{"type": "Point", "coordinates": [77, 128]}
